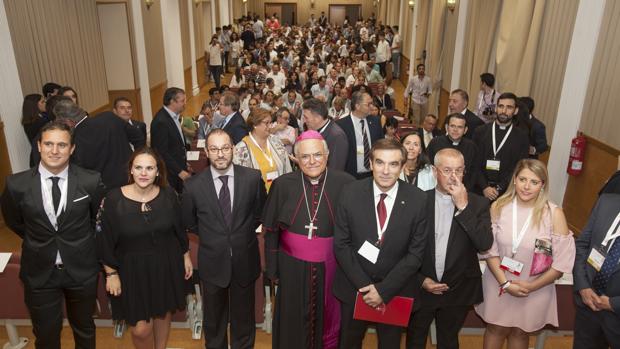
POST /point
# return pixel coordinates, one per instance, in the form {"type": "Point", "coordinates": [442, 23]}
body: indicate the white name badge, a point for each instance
{"type": "Point", "coordinates": [369, 251]}
{"type": "Point", "coordinates": [596, 259]}
{"type": "Point", "coordinates": [201, 143]}
{"type": "Point", "coordinates": [271, 176]}
{"type": "Point", "coordinates": [492, 165]}
{"type": "Point", "coordinates": [193, 155]}
{"type": "Point", "coordinates": [360, 149]}
{"type": "Point", "coordinates": [511, 265]}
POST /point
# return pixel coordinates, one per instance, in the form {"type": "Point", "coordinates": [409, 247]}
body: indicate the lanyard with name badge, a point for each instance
{"type": "Point", "coordinates": [598, 254]}
{"type": "Point", "coordinates": [495, 164]}
{"type": "Point", "coordinates": [509, 263]}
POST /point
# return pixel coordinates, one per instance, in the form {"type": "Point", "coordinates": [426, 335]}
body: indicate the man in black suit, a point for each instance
{"type": "Point", "coordinates": [103, 143]}
{"type": "Point", "coordinates": [52, 207]}
{"type": "Point", "coordinates": [386, 217]}
{"type": "Point", "coordinates": [233, 122]}
{"type": "Point", "coordinates": [458, 226]}
{"type": "Point", "coordinates": [123, 109]}
{"type": "Point", "coordinates": [223, 205]}
{"type": "Point", "coordinates": [316, 118]}
{"type": "Point", "coordinates": [167, 137]}
{"type": "Point", "coordinates": [597, 293]}
{"type": "Point", "coordinates": [428, 131]}
{"type": "Point", "coordinates": [459, 100]}
{"type": "Point", "coordinates": [362, 132]}
{"type": "Point", "coordinates": [456, 127]}
{"type": "Point", "coordinates": [500, 146]}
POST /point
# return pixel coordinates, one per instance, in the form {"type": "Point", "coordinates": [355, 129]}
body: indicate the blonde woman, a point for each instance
{"type": "Point", "coordinates": [532, 247]}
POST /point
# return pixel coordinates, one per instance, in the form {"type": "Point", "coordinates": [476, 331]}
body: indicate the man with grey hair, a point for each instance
{"type": "Point", "coordinates": [316, 118]}
{"type": "Point", "coordinates": [458, 226]}
{"type": "Point", "coordinates": [298, 245]}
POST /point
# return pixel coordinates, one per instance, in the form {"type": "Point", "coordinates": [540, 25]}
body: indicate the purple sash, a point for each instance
{"type": "Point", "coordinates": [318, 250]}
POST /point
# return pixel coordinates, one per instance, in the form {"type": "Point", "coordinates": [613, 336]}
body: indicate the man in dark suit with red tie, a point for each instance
{"type": "Point", "coordinates": [52, 207]}
{"type": "Point", "coordinates": [223, 204]}
{"type": "Point", "coordinates": [379, 243]}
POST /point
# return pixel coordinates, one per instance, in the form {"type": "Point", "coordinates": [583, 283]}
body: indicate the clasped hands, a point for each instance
{"type": "Point", "coordinates": [371, 296]}
{"type": "Point", "coordinates": [594, 301]}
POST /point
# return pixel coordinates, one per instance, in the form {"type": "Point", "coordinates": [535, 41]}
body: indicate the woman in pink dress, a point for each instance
{"type": "Point", "coordinates": [532, 248]}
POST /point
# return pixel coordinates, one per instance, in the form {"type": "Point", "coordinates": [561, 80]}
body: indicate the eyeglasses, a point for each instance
{"type": "Point", "coordinates": [225, 150]}
{"type": "Point", "coordinates": [305, 158]}
{"type": "Point", "coordinates": [449, 171]}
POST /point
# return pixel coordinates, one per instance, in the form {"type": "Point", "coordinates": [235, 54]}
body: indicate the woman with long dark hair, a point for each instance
{"type": "Point", "coordinates": [33, 117]}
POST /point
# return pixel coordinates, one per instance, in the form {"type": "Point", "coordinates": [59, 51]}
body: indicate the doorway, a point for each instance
{"type": "Point", "coordinates": [337, 14]}
{"type": "Point", "coordinates": [286, 12]}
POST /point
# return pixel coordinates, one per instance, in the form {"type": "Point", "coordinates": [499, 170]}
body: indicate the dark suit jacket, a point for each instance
{"type": "Point", "coordinates": [591, 236]}
{"type": "Point", "coordinates": [102, 144]}
{"type": "Point", "coordinates": [403, 242]}
{"type": "Point", "coordinates": [470, 233]}
{"type": "Point", "coordinates": [376, 133]}
{"type": "Point", "coordinates": [141, 126]}
{"type": "Point", "coordinates": [338, 146]}
{"type": "Point", "coordinates": [384, 101]}
{"type": "Point", "coordinates": [22, 207]}
{"type": "Point", "coordinates": [167, 141]}
{"type": "Point", "coordinates": [420, 131]}
{"type": "Point", "coordinates": [236, 128]}
{"type": "Point", "coordinates": [472, 121]}
{"type": "Point", "coordinates": [226, 254]}
{"type": "Point", "coordinates": [538, 137]}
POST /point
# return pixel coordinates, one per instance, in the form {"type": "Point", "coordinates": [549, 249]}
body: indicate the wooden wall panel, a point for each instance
{"type": "Point", "coordinates": [444, 98]}
{"type": "Point", "coordinates": [133, 96]}
{"type": "Point", "coordinates": [187, 77]}
{"type": "Point", "coordinates": [200, 70]}
{"type": "Point", "coordinates": [404, 70]}
{"type": "Point", "coordinates": [157, 96]}
{"type": "Point", "coordinates": [5, 162]}
{"type": "Point", "coordinates": [601, 161]}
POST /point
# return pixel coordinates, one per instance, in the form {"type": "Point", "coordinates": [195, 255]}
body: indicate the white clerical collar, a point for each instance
{"type": "Point", "coordinates": [501, 127]}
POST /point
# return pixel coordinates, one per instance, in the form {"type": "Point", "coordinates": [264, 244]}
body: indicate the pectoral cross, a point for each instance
{"type": "Point", "coordinates": [311, 227]}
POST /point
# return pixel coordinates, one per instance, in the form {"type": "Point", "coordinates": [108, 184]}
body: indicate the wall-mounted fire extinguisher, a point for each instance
{"type": "Point", "coordinates": [577, 154]}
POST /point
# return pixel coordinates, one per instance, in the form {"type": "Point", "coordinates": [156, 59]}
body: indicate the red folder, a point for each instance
{"type": "Point", "coordinates": [396, 312]}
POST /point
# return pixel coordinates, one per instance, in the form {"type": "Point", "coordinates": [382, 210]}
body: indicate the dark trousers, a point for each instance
{"type": "Point", "coordinates": [596, 330]}
{"type": "Point", "coordinates": [216, 71]}
{"type": "Point", "coordinates": [225, 56]}
{"type": "Point", "coordinates": [448, 321]}
{"type": "Point", "coordinates": [221, 305]}
{"type": "Point", "coordinates": [382, 68]}
{"type": "Point", "coordinates": [352, 331]}
{"type": "Point", "coordinates": [45, 305]}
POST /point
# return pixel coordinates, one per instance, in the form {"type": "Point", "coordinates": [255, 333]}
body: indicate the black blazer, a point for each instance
{"type": "Point", "coordinates": [226, 254]}
{"type": "Point", "coordinates": [470, 233]}
{"type": "Point", "coordinates": [376, 133]}
{"type": "Point", "coordinates": [472, 121]}
{"type": "Point", "coordinates": [102, 144]}
{"type": "Point", "coordinates": [601, 218]}
{"type": "Point", "coordinates": [169, 144]}
{"type": "Point", "coordinates": [385, 102]}
{"type": "Point", "coordinates": [236, 128]}
{"type": "Point", "coordinates": [420, 131]}
{"type": "Point", "coordinates": [538, 137]}
{"type": "Point", "coordinates": [141, 126]}
{"type": "Point", "coordinates": [403, 243]}
{"type": "Point", "coordinates": [22, 207]}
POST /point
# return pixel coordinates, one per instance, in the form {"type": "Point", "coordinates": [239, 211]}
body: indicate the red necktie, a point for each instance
{"type": "Point", "coordinates": [382, 211]}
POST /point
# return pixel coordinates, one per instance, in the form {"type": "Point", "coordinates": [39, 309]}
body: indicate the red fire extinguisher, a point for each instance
{"type": "Point", "coordinates": [577, 154]}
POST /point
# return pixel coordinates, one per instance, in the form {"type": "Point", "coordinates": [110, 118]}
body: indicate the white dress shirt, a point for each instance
{"type": "Point", "coordinates": [359, 142]}
{"type": "Point", "coordinates": [175, 118]}
{"type": "Point", "coordinates": [418, 87]}
{"type": "Point", "coordinates": [230, 172]}
{"type": "Point", "coordinates": [389, 204]}
{"type": "Point", "coordinates": [47, 199]}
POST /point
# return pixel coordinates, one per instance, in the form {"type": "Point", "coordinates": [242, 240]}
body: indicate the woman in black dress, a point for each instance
{"type": "Point", "coordinates": [144, 251]}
